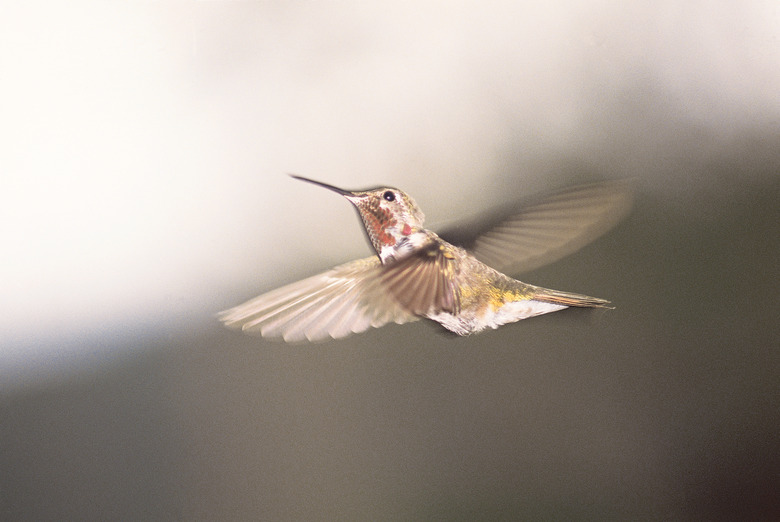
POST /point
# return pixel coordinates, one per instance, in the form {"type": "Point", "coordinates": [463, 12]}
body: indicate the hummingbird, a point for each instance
{"type": "Point", "coordinates": [417, 274]}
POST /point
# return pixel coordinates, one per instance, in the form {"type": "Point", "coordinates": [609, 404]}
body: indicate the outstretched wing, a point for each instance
{"type": "Point", "coordinates": [347, 299]}
{"type": "Point", "coordinates": [554, 227]}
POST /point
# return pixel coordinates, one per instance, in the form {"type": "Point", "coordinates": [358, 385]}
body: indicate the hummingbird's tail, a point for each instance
{"type": "Point", "coordinates": [569, 299]}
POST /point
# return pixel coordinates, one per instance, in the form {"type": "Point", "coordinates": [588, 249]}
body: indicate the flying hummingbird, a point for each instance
{"type": "Point", "coordinates": [418, 274]}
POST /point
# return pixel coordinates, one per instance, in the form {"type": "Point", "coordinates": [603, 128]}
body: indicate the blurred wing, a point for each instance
{"type": "Point", "coordinates": [554, 227]}
{"type": "Point", "coordinates": [347, 299]}
{"type": "Point", "coordinates": [424, 281]}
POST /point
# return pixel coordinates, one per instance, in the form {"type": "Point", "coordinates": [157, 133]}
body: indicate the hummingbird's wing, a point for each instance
{"type": "Point", "coordinates": [347, 299]}
{"type": "Point", "coordinates": [551, 228]}
{"type": "Point", "coordinates": [425, 280]}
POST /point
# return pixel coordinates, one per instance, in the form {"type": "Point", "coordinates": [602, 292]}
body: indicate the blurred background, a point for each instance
{"type": "Point", "coordinates": [144, 154]}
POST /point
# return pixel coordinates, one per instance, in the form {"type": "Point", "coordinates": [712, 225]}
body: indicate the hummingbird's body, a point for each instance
{"type": "Point", "coordinates": [417, 274]}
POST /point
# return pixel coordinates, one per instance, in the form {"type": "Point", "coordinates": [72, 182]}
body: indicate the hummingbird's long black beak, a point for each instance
{"type": "Point", "coordinates": [325, 185]}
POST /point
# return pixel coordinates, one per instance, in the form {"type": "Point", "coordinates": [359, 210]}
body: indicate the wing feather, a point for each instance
{"type": "Point", "coordinates": [425, 281]}
{"type": "Point", "coordinates": [556, 226]}
{"type": "Point", "coordinates": [347, 299]}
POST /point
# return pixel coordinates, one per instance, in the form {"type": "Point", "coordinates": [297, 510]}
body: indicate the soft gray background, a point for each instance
{"type": "Point", "coordinates": [143, 156]}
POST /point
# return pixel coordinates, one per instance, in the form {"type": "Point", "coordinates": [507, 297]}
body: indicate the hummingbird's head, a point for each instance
{"type": "Point", "coordinates": [390, 216]}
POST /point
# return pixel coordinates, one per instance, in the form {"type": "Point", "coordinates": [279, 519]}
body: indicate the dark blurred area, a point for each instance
{"type": "Point", "coordinates": [665, 408]}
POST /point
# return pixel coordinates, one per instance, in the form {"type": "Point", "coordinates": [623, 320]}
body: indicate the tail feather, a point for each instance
{"type": "Point", "coordinates": [569, 299]}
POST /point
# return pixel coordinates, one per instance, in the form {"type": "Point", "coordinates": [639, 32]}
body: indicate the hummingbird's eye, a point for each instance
{"type": "Point", "coordinates": [389, 196]}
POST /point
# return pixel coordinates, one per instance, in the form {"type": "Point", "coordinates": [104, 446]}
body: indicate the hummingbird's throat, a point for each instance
{"type": "Point", "coordinates": [389, 234]}
{"type": "Point", "coordinates": [378, 221]}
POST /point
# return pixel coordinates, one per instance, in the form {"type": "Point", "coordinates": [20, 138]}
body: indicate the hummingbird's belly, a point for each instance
{"type": "Point", "coordinates": [473, 320]}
